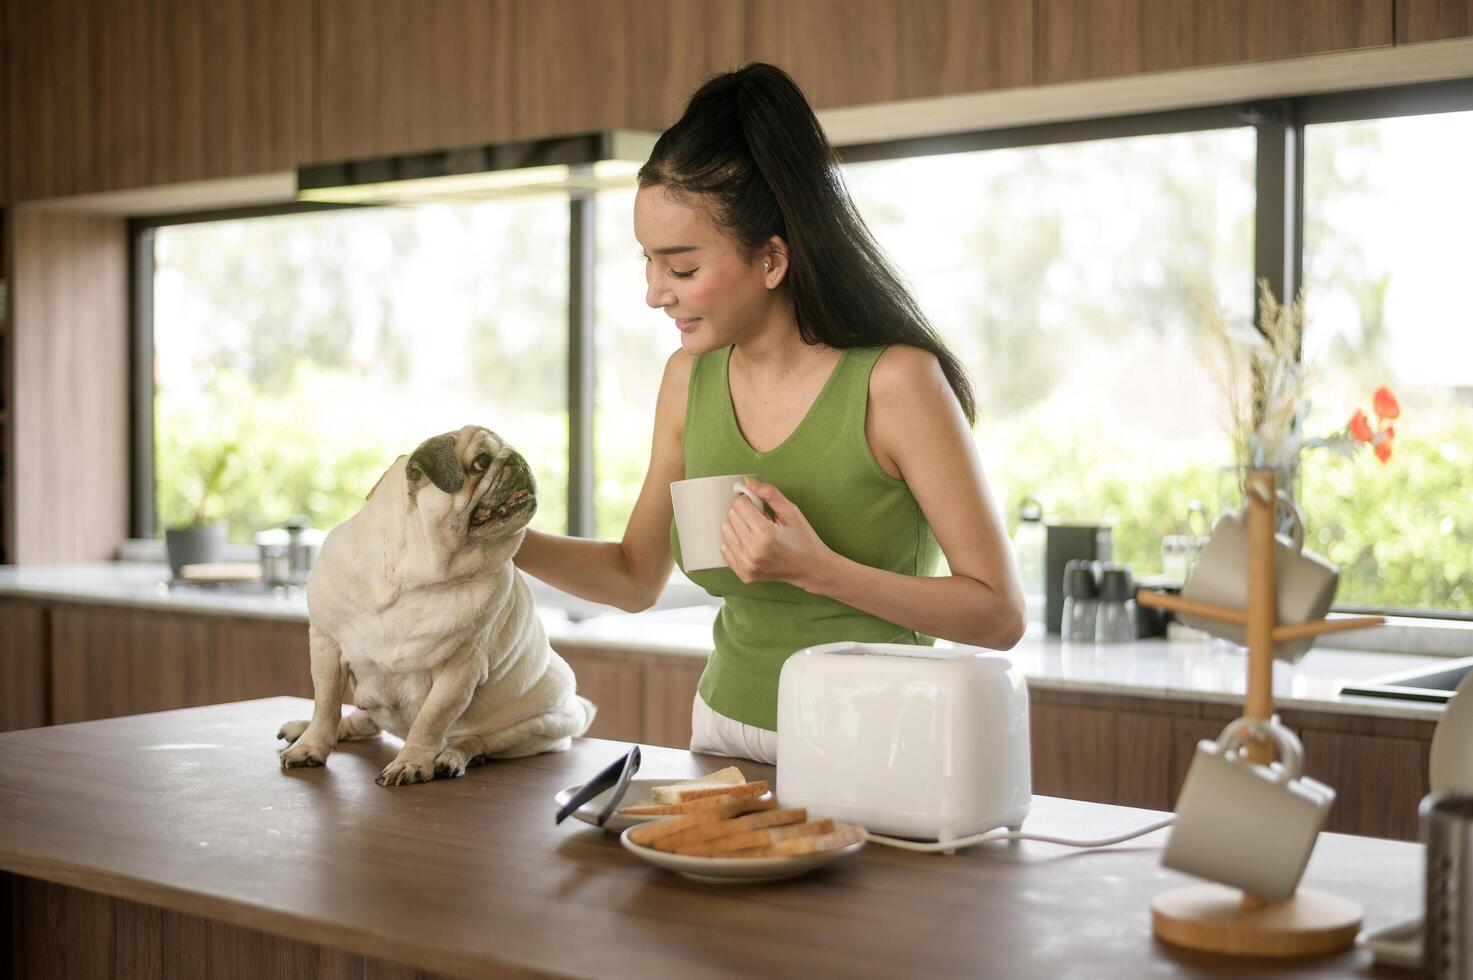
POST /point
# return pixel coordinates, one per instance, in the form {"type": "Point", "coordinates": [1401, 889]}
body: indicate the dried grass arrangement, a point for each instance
{"type": "Point", "coordinates": [1265, 381]}
{"type": "Point", "coordinates": [1262, 379]}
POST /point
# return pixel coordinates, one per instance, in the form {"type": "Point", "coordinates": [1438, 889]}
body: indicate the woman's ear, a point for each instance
{"type": "Point", "coordinates": [774, 262]}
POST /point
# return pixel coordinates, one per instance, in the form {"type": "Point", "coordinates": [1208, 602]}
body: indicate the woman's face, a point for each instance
{"type": "Point", "coordinates": [697, 273]}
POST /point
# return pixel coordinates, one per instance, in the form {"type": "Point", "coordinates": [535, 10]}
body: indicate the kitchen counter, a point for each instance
{"type": "Point", "coordinates": [175, 838]}
{"type": "Point", "coordinates": [1189, 669]}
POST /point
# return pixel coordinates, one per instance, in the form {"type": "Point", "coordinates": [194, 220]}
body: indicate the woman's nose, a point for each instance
{"type": "Point", "coordinates": [658, 294]}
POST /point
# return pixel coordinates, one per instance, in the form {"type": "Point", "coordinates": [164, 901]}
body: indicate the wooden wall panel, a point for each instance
{"type": "Point", "coordinates": [1142, 745]}
{"type": "Point", "coordinates": [1073, 752]}
{"type": "Point", "coordinates": [63, 932]}
{"type": "Point", "coordinates": [859, 52]}
{"type": "Point", "coordinates": [1185, 734]}
{"type": "Point", "coordinates": [68, 397]}
{"type": "Point", "coordinates": [1432, 20]}
{"type": "Point", "coordinates": [615, 683]}
{"type": "Point", "coordinates": [1081, 39]}
{"type": "Point", "coordinates": [1379, 782]}
{"type": "Point", "coordinates": [23, 665]}
{"type": "Point", "coordinates": [103, 96]}
{"type": "Point", "coordinates": [669, 692]}
{"type": "Point", "coordinates": [107, 662]}
{"type": "Point", "coordinates": [461, 72]}
{"type": "Point", "coordinates": [259, 658]}
{"type": "Point", "coordinates": [446, 81]}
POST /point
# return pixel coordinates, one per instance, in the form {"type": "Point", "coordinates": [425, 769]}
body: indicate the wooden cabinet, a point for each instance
{"type": "Point", "coordinates": [843, 52]}
{"type": "Point", "coordinates": [1073, 752]}
{"type": "Point", "coordinates": [134, 93]}
{"type": "Point", "coordinates": [23, 669]}
{"type": "Point", "coordinates": [113, 661]}
{"type": "Point", "coordinates": [1136, 752]}
{"type": "Point", "coordinates": [102, 96]}
{"type": "Point", "coordinates": [459, 72]}
{"type": "Point", "coordinates": [1432, 20]}
{"type": "Point", "coordinates": [641, 697]}
{"type": "Point", "coordinates": [1082, 39]}
{"type": "Point", "coordinates": [1378, 782]}
{"type": "Point", "coordinates": [65, 452]}
{"type": "Point", "coordinates": [669, 691]}
{"type": "Point", "coordinates": [66, 662]}
{"type": "Point", "coordinates": [615, 683]}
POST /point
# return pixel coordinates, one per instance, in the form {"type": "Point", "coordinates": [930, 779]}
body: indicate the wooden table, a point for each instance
{"type": "Point", "coordinates": [172, 845]}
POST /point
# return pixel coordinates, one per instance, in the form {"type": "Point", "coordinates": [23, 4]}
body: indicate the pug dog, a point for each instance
{"type": "Point", "coordinates": [416, 601]}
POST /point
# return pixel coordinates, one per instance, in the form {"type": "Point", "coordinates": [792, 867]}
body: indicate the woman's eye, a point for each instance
{"type": "Point", "coordinates": [677, 274]}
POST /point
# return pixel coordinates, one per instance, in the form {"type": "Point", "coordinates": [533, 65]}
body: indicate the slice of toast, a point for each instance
{"type": "Point", "coordinates": [697, 802]}
{"type": "Point", "coordinates": [842, 837]}
{"type": "Point", "coordinates": [730, 776]}
{"type": "Point", "coordinates": [712, 829]}
{"type": "Point", "coordinates": [722, 846]}
{"type": "Point", "coordinates": [720, 809]}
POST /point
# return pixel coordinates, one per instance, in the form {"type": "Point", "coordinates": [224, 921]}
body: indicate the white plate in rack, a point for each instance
{"type": "Point", "coordinates": [638, 792]}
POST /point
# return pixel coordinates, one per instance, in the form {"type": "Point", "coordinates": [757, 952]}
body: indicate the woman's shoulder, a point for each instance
{"type": "Point", "coordinates": [901, 371]}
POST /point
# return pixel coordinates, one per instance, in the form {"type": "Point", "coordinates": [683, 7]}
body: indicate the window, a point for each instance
{"type": "Point", "coordinates": [323, 345]}
{"type": "Point", "coordinates": [1066, 278]}
{"type": "Point", "coordinates": [1387, 257]}
{"type": "Point", "coordinates": [633, 344]}
{"type": "Point", "coordinates": [1064, 264]}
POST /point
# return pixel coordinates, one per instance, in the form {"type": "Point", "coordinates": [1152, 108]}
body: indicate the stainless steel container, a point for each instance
{"type": "Point", "coordinates": [1447, 828]}
{"type": "Point", "coordinates": [303, 542]}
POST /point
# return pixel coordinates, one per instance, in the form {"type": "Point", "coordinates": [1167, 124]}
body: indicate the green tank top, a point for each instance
{"type": "Point", "coordinates": [825, 468]}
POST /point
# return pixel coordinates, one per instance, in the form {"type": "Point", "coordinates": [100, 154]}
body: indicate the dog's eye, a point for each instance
{"type": "Point", "coordinates": [481, 462]}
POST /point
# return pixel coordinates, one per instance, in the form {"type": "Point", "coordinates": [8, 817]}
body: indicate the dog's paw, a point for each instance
{"type": "Point", "coordinates": [303, 752]}
{"type": "Point", "coordinates": [450, 764]}
{"type": "Point", "coordinates": [402, 771]}
{"type": "Point", "coordinates": [292, 731]}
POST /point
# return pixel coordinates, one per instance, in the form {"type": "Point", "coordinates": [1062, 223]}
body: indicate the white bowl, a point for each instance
{"type": "Point", "coordinates": [735, 870]}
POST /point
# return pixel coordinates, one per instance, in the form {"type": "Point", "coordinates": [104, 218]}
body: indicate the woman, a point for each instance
{"type": "Point", "coordinates": [803, 359]}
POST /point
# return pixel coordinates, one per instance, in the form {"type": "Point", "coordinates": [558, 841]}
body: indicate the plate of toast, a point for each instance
{"type": "Point", "coordinates": [653, 799]}
{"type": "Point", "coordinates": [743, 839]}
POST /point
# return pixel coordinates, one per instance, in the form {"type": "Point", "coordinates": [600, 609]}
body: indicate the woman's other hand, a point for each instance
{"type": "Point", "coordinates": [761, 549]}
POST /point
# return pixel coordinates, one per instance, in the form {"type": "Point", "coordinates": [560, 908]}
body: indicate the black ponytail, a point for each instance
{"type": "Point", "coordinates": [750, 144]}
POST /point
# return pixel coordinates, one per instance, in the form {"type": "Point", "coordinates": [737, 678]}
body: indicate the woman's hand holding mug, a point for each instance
{"type": "Point", "coordinates": [784, 548]}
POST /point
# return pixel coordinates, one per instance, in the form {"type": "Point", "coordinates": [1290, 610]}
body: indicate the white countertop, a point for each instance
{"type": "Point", "coordinates": [1192, 669]}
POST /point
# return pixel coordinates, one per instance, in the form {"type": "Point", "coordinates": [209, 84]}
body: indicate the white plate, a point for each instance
{"type": "Point", "coordinates": [732, 870]}
{"type": "Point", "coordinates": [1399, 944]}
{"type": "Point", "coordinates": [638, 792]}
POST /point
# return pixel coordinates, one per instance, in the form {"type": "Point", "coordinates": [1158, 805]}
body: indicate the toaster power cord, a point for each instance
{"type": "Point", "coordinates": [992, 835]}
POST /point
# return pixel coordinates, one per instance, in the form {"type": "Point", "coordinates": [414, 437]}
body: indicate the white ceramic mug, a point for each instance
{"type": "Point", "coordinates": [1305, 581]}
{"type": "Point", "coordinates": [701, 506]}
{"type": "Point", "coordinates": [1246, 825]}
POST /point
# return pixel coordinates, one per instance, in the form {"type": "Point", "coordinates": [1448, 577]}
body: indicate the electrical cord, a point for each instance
{"type": "Point", "coordinates": [960, 842]}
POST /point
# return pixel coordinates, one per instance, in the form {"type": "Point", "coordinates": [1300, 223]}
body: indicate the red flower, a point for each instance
{"type": "Point", "coordinates": [1386, 404]}
{"type": "Point", "coordinates": [1360, 426]}
{"type": "Point", "coordinates": [1383, 443]}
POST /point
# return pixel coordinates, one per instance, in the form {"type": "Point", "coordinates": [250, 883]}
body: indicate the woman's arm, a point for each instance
{"type": "Point", "coordinates": [629, 574]}
{"type": "Point", "coordinates": [915, 422]}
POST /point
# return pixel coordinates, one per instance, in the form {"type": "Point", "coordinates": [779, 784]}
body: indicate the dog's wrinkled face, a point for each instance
{"type": "Point", "coordinates": [471, 483]}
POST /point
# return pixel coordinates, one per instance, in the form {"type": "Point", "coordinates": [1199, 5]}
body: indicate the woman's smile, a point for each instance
{"type": "Point", "coordinates": [686, 326]}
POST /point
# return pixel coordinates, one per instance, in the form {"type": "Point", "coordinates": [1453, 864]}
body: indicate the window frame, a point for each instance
{"type": "Point", "coordinates": [1279, 125]}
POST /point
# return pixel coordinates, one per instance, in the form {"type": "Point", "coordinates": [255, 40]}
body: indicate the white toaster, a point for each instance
{"type": "Point", "coordinates": [910, 741]}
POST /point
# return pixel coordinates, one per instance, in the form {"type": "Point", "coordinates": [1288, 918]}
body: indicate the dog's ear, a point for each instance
{"type": "Point", "coordinates": [436, 459]}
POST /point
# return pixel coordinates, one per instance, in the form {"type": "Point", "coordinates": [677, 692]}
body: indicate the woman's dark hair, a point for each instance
{"type": "Point", "coordinates": [749, 143]}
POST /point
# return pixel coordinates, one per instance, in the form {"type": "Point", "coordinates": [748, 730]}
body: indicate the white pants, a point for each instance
{"type": "Point", "coordinates": [716, 734]}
